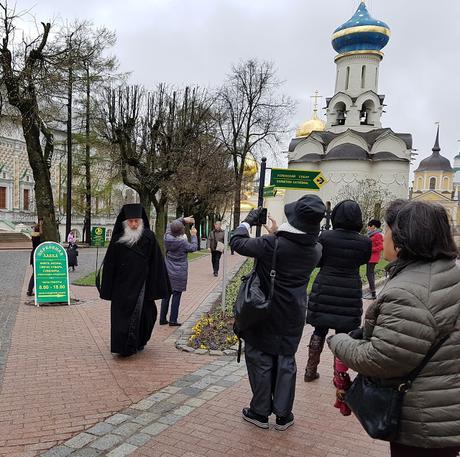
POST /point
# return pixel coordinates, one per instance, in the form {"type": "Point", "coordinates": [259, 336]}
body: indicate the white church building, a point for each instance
{"type": "Point", "coordinates": [352, 145]}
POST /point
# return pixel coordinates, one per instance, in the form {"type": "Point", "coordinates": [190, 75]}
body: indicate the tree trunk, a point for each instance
{"type": "Point", "coordinates": [43, 190]}
{"type": "Point", "coordinates": [144, 198]}
{"type": "Point", "coordinates": [237, 201]}
{"type": "Point", "coordinates": [87, 223]}
{"type": "Point", "coordinates": [198, 231]}
{"type": "Point", "coordinates": [160, 225]}
{"type": "Point", "coordinates": [68, 216]}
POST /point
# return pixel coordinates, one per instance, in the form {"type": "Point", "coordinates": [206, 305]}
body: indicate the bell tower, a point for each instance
{"type": "Point", "coordinates": [356, 103]}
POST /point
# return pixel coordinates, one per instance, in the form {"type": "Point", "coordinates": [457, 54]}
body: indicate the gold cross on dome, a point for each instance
{"type": "Point", "coordinates": [315, 98]}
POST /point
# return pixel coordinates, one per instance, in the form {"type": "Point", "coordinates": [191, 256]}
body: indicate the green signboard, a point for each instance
{"type": "Point", "coordinates": [297, 179]}
{"type": "Point", "coordinates": [269, 191]}
{"type": "Point", "coordinates": [51, 274]}
{"type": "Point", "coordinates": [98, 236]}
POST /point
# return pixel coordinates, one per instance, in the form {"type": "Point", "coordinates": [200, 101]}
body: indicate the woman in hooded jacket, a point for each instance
{"type": "Point", "coordinates": [177, 247]}
{"type": "Point", "coordinates": [336, 297]}
{"type": "Point", "coordinates": [417, 309]}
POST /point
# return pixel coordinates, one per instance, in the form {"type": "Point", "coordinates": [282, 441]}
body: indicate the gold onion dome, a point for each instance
{"type": "Point", "coordinates": [250, 167]}
{"type": "Point", "coordinates": [315, 124]}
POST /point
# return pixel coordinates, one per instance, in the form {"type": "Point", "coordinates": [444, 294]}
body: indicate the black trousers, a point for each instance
{"type": "Point", "coordinates": [370, 273]}
{"type": "Point", "coordinates": [30, 289]}
{"type": "Point", "coordinates": [272, 379]}
{"type": "Point", "coordinates": [400, 450]}
{"type": "Point", "coordinates": [215, 258]}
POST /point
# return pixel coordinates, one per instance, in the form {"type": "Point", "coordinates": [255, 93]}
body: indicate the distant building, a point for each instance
{"type": "Point", "coordinates": [435, 180]}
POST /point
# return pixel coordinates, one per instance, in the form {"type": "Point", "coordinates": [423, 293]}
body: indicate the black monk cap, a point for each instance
{"type": "Point", "coordinates": [306, 213]}
{"type": "Point", "coordinates": [132, 211]}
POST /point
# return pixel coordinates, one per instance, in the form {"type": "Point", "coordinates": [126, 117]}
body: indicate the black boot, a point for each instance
{"type": "Point", "coordinates": [314, 352]}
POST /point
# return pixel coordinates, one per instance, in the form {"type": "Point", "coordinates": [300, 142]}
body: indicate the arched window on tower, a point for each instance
{"type": "Point", "coordinates": [347, 79]}
{"type": "Point", "coordinates": [446, 183]}
{"type": "Point", "coordinates": [341, 111]}
{"type": "Point", "coordinates": [432, 183]}
{"type": "Point", "coordinates": [363, 77]}
{"type": "Point", "coordinates": [365, 114]}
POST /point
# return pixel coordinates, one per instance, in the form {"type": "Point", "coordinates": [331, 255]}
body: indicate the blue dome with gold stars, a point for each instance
{"type": "Point", "coordinates": [361, 33]}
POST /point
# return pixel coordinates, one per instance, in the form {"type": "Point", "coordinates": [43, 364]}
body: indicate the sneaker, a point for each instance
{"type": "Point", "coordinates": [164, 322]}
{"type": "Point", "coordinates": [284, 422]}
{"type": "Point", "coordinates": [174, 324]}
{"type": "Point", "coordinates": [216, 274]}
{"type": "Point", "coordinates": [256, 419]}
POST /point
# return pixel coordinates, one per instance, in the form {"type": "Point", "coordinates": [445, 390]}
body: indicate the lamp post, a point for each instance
{"type": "Point", "coordinates": [260, 201]}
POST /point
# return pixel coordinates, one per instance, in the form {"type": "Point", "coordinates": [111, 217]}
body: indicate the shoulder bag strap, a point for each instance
{"type": "Point", "coordinates": [273, 269]}
{"type": "Point", "coordinates": [406, 385]}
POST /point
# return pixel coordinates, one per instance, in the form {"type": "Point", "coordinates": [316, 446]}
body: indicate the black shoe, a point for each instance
{"type": "Point", "coordinates": [174, 324]}
{"type": "Point", "coordinates": [164, 322]}
{"type": "Point", "coordinates": [140, 348]}
{"type": "Point", "coordinates": [29, 294]}
{"type": "Point", "coordinates": [216, 274]}
{"type": "Point", "coordinates": [284, 422]}
{"type": "Point", "coordinates": [256, 419]}
{"type": "Point", "coordinates": [370, 296]}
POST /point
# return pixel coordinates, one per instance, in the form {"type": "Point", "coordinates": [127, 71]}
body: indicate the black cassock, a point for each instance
{"type": "Point", "coordinates": [132, 278]}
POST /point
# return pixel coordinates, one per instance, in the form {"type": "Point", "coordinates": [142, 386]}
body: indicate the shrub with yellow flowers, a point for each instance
{"type": "Point", "coordinates": [214, 330]}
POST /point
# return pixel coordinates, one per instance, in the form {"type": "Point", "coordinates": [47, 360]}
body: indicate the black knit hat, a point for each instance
{"type": "Point", "coordinates": [306, 213]}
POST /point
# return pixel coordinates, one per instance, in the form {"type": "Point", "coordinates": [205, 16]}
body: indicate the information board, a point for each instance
{"type": "Point", "coordinates": [98, 236]}
{"type": "Point", "coordinates": [51, 274]}
{"type": "Point", "coordinates": [284, 178]}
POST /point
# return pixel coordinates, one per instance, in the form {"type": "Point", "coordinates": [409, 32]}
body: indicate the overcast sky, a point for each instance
{"type": "Point", "coordinates": [196, 41]}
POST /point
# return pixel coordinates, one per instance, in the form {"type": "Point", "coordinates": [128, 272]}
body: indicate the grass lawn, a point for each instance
{"type": "Point", "coordinates": [90, 280]}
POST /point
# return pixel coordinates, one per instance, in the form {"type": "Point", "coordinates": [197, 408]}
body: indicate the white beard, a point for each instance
{"type": "Point", "coordinates": [130, 237]}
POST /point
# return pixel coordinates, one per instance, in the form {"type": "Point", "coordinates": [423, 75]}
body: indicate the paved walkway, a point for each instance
{"type": "Point", "coordinates": [64, 393]}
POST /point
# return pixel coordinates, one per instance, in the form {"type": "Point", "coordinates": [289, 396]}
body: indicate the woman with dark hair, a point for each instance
{"type": "Point", "coordinates": [417, 308]}
{"type": "Point", "coordinates": [336, 297]}
{"type": "Point", "coordinates": [177, 247]}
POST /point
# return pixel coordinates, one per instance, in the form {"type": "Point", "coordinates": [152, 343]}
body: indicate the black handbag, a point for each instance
{"type": "Point", "coordinates": [378, 408]}
{"type": "Point", "coordinates": [252, 305]}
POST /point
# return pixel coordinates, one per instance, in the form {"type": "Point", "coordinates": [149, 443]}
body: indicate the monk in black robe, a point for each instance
{"type": "Point", "coordinates": [133, 276]}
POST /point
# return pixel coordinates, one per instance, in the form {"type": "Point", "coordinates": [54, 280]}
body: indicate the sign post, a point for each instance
{"type": "Point", "coordinates": [98, 240]}
{"type": "Point", "coordinates": [297, 179]}
{"type": "Point", "coordinates": [260, 201]}
{"type": "Point", "coordinates": [51, 274]}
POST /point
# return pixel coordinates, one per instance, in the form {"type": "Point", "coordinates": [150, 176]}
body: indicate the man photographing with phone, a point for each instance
{"type": "Point", "coordinates": [271, 344]}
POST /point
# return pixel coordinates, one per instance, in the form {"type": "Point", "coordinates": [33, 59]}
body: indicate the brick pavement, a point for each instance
{"type": "Point", "coordinates": [60, 377]}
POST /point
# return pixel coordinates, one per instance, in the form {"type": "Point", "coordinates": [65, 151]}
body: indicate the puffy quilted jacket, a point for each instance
{"type": "Point", "coordinates": [419, 305]}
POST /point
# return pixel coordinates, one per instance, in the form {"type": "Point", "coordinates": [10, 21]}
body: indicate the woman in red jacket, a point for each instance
{"type": "Point", "coordinates": [375, 234]}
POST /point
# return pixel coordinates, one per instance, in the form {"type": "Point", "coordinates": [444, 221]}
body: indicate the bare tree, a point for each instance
{"type": "Point", "coordinates": [154, 132]}
{"type": "Point", "coordinates": [22, 67]}
{"type": "Point", "coordinates": [251, 115]}
{"type": "Point", "coordinates": [371, 196]}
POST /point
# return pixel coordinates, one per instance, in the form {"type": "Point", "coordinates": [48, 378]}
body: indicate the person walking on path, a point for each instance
{"type": "Point", "coordinates": [72, 255]}
{"type": "Point", "coordinates": [418, 307]}
{"type": "Point", "coordinates": [336, 296]}
{"type": "Point", "coordinates": [270, 347]}
{"type": "Point", "coordinates": [71, 239]}
{"type": "Point", "coordinates": [177, 247]}
{"type": "Point", "coordinates": [374, 232]}
{"type": "Point", "coordinates": [36, 240]}
{"type": "Point", "coordinates": [133, 276]}
{"type": "Point", "coordinates": [216, 245]}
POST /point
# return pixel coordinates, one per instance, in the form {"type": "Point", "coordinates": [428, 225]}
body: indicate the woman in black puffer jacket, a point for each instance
{"type": "Point", "coordinates": [336, 297]}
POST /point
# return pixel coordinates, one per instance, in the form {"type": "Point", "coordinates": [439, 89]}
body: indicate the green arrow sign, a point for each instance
{"type": "Point", "coordinates": [269, 191]}
{"type": "Point", "coordinates": [284, 178]}
{"type": "Point", "coordinates": [51, 274]}
{"type": "Point", "coordinates": [98, 236]}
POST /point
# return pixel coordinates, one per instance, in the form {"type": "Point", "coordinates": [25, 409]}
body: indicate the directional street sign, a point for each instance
{"type": "Point", "coordinates": [269, 191]}
{"type": "Point", "coordinates": [283, 178]}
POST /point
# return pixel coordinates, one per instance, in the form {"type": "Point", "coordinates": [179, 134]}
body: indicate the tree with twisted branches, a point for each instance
{"type": "Point", "coordinates": [21, 68]}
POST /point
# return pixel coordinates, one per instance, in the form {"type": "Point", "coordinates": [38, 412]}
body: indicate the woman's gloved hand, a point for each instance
{"type": "Point", "coordinates": [357, 334]}
{"type": "Point", "coordinates": [253, 217]}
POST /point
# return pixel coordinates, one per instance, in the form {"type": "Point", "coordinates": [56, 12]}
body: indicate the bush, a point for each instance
{"type": "Point", "coordinates": [214, 330]}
